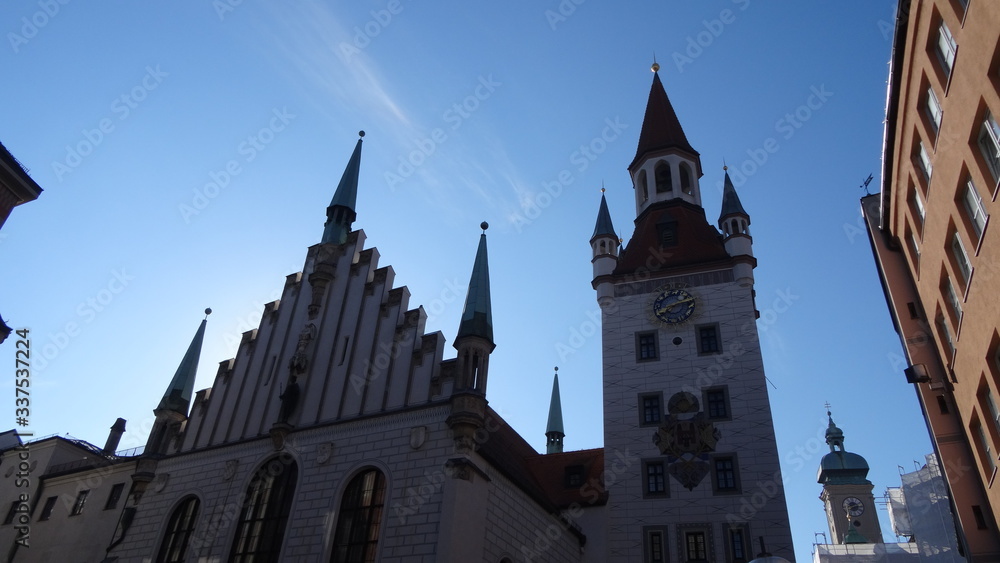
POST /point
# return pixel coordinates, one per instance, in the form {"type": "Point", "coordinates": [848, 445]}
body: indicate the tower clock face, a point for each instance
{"type": "Point", "coordinates": [674, 306]}
{"type": "Point", "coordinates": [854, 506]}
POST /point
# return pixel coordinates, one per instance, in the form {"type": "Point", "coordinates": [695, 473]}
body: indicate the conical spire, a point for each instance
{"type": "Point", "coordinates": [604, 226]}
{"type": "Point", "coordinates": [477, 317]}
{"type": "Point", "coordinates": [340, 215]}
{"type": "Point", "coordinates": [660, 127]}
{"type": "Point", "coordinates": [177, 397]}
{"type": "Point", "coordinates": [730, 200]}
{"type": "Point", "coordinates": [834, 435]}
{"type": "Point", "coordinates": [554, 429]}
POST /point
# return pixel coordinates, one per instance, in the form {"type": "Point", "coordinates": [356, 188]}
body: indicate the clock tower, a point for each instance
{"type": "Point", "coordinates": [847, 493]}
{"type": "Point", "coordinates": [691, 464]}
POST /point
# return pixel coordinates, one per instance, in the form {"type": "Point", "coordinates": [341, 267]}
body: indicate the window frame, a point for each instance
{"type": "Point", "coordinates": [989, 130]}
{"type": "Point", "coordinates": [114, 495]}
{"type": "Point", "coordinates": [933, 110]}
{"type": "Point", "coordinates": [647, 466]}
{"type": "Point", "coordinates": [649, 533]}
{"type": "Point", "coordinates": [12, 513]}
{"type": "Point", "coordinates": [952, 299]}
{"type": "Point", "coordinates": [78, 504]}
{"type": "Point", "coordinates": [377, 494]}
{"type": "Point", "coordinates": [744, 533]}
{"type": "Point", "coordinates": [46, 513]}
{"type": "Point", "coordinates": [179, 528]}
{"type": "Point", "coordinates": [639, 336]}
{"type": "Point", "coordinates": [973, 209]}
{"type": "Point", "coordinates": [736, 487]}
{"type": "Point", "coordinates": [269, 496]}
{"type": "Point", "coordinates": [699, 339]}
{"type": "Point", "coordinates": [724, 389]}
{"type": "Point", "coordinates": [924, 162]}
{"type": "Point", "coordinates": [658, 397]}
{"type": "Point", "coordinates": [962, 262]}
{"type": "Point", "coordinates": [687, 546]}
{"type": "Point", "coordinates": [946, 48]}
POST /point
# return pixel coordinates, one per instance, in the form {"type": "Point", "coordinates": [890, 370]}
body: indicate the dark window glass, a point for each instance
{"type": "Point", "coordinates": [651, 409]}
{"type": "Point", "coordinates": [737, 542]}
{"type": "Point", "coordinates": [663, 181]}
{"type": "Point", "coordinates": [265, 513]}
{"type": "Point", "coordinates": [647, 346]}
{"type": "Point", "coordinates": [708, 339]}
{"type": "Point", "coordinates": [81, 499]}
{"type": "Point", "coordinates": [725, 474]}
{"type": "Point", "coordinates": [12, 512]}
{"type": "Point", "coordinates": [360, 519]}
{"type": "Point", "coordinates": [574, 476]}
{"type": "Point", "coordinates": [656, 547]}
{"type": "Point", "coordinates": [114, 496]}
{"type": "Point", "coordinates": [696, 550]}
{"type": "Point", "coordinates": [655, 479]}
{"type": "Point", "coordinates": [50, 503]}
{"type": "Point", "coordinates": [716, 399]}
{"type": "Point", "coordinates": [179, 528]}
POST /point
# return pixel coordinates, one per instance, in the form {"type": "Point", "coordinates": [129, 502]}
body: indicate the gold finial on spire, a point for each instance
{"type": "Point", "coordinates": [724, 167]}
{"type": "Point", "coordinates": [602, 185]}
{"type": "Point", "coordinates": [656, 65]}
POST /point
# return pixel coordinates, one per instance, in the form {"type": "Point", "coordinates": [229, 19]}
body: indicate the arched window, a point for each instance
{"type": "Point", "coordinates": [686, 184]}
{"type": "Point", "coordinates": [360, 518]}
{"type": "Point", "coordinates": [663, 181]}
{"type": "Point", "coordinates": [179, 528]}
{"type": "Point", "coordinates": [265, 512]}
{"type": "Point", "coordinates": [643, 187]}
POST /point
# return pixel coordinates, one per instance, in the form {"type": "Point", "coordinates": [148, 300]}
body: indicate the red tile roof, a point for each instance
{"type": "Point", "coordinates": [698, 242]}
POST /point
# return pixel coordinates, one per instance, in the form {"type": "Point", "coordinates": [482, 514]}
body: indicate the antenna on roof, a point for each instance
{"type": "Point", "coordinates": [864, 186]}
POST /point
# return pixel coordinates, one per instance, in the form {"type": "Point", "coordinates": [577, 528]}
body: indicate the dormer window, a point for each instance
{"type": "Point", "coordinates": [663, 179]}
{"type": "Point", "coordinates": [667, 233]}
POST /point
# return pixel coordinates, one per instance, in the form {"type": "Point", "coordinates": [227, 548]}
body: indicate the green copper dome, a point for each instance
{"type": "Point", "coordinates": [840, 466]}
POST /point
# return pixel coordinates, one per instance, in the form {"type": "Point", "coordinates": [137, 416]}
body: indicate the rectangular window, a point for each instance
{"type": "Point", "coordinates": [656, 479]}
{"type": "Point", "coordinates": [961, 258]}
{"type": "Point", "coordinates": [973, 207]}
{"type": "Point", "coordinates": [667, 233]}
{"type": "Point", "coordinates": [989, 144]}
{"type": "Point", "coordinates": [114, 496]}
{"type": "Point", "coordinates": [984, 449]}
{"type": "Point", "coordinates": [695, 547]}
{"type": "Point", "coordinates": [933, 109]}
{"type": "Point", "coordinates": [717, 403]}
{"type": "Point", "coordinates": [724, 469]}
{"type": "Point", "coordinates": [946, 48]}
{"type": "Point", "coordinates": [646, 347]}
{"type": "Point", "coordinates": [991, 406]}
{"type": "Point", "coordinates": [738, 548]}
{"type": "Point", "coordinates": [12, 512]}
{"type": "Point", "coordinates": [951, 297]}
{"type": "Point", "coordinates": [911, 241]}
{"type": "Point", "coordinates": [574, 476]}
{"type": "Point", "coordinates": [924, 158]}
{"type": "Point", "coordinates": [656, 546]}
{"type": "Point", "coordinates": [81, 499]}
{"type": "Point", "coordinates": [50, 503]}
{"type": "Point", "coordinates": [708, 339]}
{"type": "Point", "coordinates": [649, 405]}
{"type": "Point", "coordinates": [946, 338]}
{"type": "Point", "coordinates": [918, 206]}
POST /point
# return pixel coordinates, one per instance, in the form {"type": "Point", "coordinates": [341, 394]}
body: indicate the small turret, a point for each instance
{"type": "Point", "coordinates": [604, 248]}
{"type": "Point", "coordinates": [340, 214]}
{"type": "Point", "coordinates": [474, 343]}
{"type": "Point", "coordinates": [554, 433]}
{"type": "Point", "coordinates": [734, 222]}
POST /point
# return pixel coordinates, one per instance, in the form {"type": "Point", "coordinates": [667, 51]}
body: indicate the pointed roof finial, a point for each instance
{"type": "Point", "coordinates": [731, 204]}
{"type": "Point", "coordinates": [554, 429]}
{"type": "Point", "coordinates": [477, 317]}
{"type": "Point", "coordinates": [655, 66]}
{"type": "Point", "coordinates": [604, 227]}
{"type": "Point", "coordinates": [177, 397]}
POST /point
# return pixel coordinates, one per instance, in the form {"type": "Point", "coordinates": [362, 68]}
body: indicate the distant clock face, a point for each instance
{"type": "Point", "coordinates": [854, 506]}
{"type": "Point", "coordinates": [674, 306]}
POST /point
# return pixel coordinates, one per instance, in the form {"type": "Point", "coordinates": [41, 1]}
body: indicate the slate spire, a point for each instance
{"type": "Point", "coordinates": [341, 213]}
{"type": "Point", "coordinates": [477, 317]}
{"type": "Point", "coordinates": [660, 127]}
{"type": "Point", "coordinates": [604, 226]}
{"type": "Point", "coordinates": [177, 397]}
{"type": "Point", "coordinates": [554, 432]}
{"type": "Point", "coordinates": [730, 200]}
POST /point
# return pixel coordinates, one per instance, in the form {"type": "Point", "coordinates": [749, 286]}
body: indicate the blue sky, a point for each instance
{"type": "Point", "coordinates": [188, 152]}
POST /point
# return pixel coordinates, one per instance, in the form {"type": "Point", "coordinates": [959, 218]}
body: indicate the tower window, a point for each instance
{"type": "Point", "coordinates": [643, 187]}
{"type": "Point", "coordinates": [717, 403]}
{"type": "Point", "coordinates": [738, 545]}
{"type": "Point", "coordinates": [81, 499]}
{"type": "Point", "coordinates": [655, 548]}
{"type": "Point", "coordinates": [686, 185]}
{"type": "Point", "coordinates": [695, 546]}
{"type": "Point", "coordinates": [663, 180]}
{"type": "Point", "coordinates": [708, 339]}
{"type": "Point", "coordinates": [656, 479]}
{"type": "Point", "coordinates": [649, 409]}
{"type": "Point", "coordinates": [646, 348]}
{"type": "Point", "coordinates": [725, 475]}
{"type": "Point", "coordinates": [114, 496]}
